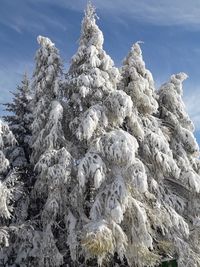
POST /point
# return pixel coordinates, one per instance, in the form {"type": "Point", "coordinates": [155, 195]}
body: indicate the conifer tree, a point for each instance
{"type": "Point", "coordinates": [50, 158]}
{"type": "Point", "coordinates": [38, 237]}
{"type": "Point", "coordinates": [92, 75]}
{"type": "Point", "coordinates": [138, 82]}
{"type": "Point", "coordinates": [116, 167]}
{"type": "Point", "coordinates": [8, 183]}
{"type": "Point", "coordinates": [183, 142]}
{"type": "Point", "coordinates": [157, 159]}
{"type": "Point", "coordinates": [186, 153]}
{"type": "Point", "coordinates": [105, 216]}
{"type": "Point", "coordinates": [20, 120]}
{"type": "Point", "coordinates": [171, 230]}
{"type": "Point", "coordinates": [46, 80]}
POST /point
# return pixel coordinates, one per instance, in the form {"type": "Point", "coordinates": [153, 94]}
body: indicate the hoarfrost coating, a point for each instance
{"type": "Point", "coordinates": [105, 170]}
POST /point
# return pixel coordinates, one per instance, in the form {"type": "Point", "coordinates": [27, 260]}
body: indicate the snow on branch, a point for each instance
{"type": "Point", "coordinates": [117, 146]}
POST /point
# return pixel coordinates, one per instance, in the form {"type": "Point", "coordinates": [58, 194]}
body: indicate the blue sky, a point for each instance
{"type": "Point", "coordinates": [170, 30]}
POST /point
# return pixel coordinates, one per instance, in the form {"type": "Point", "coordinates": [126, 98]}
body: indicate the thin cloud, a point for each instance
{"type": "Point", "coordinates": [165, 13]}
{"type": "Point", "coordinates": [26, 15]}
{"type": "Point", "coordinates": [19, 17]}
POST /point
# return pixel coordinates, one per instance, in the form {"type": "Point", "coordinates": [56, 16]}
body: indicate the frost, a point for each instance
{"type": "Point", "coordinates": [108, 173]}
{"type": "Point", "coordinates": [54, 168]}
{"type": "Point", "coordinates": [136, 176]}
{"type": "Point", "coordinates": [46, 132]}
{"type": "Point", "coordinates": [102, 238]}
{"type": "Point", "coordinates": [5, 198]}
{"type": "Point", "coordinates": [191, 179]}
{"type": "Point", "coordinates": [51, 209]}
{"type": "Point", "coordinates": [44, 41]}
{"type": "Point", "coordinates": [178, 222]}
{"type": "Point", "coordinates": [139, 226]}
{"type": "Point", "coordinates": [116, 201]}
{"type": "Point", "coordinates": [118, 146]}
{"type": "Point", "coordinates": [135, 127]}
{"type": "Point", "coordinates": [6, 136]}
{"type": "Point", "coordinates": [92, 119]}
{"type": "Point", "coordinates": [98, 239]}
{"type": "Point", "coordinates": [4, 163]}
{"type": "Point", "coordinates": [120, 240]}
{"type": "Point", "coordinates": [119, 105]}
{"type": "Point", "coordinates": [189, 142]}
{"type": "Point", "coordinates": [72, 238]}
{"type": "Point", "coordinates": [54, 127]}
{"type": "Point", "coordinates": [7, 182]}
{"type": "Point", "coordinates": [92, 75]}
{"type": "Point", "coordinates": [49, 254]}
{"type": "Point", "coordinates": [4, 237]}
{"type": "Point", "coordinates": [172, 108]}
{"type": "Point", "coordinates": [138, 82]}
{"type": "Point", "coordinates": [91, 168]}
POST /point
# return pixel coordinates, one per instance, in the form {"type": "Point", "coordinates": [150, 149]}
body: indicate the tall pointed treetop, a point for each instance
{"type": "Point", "coordinates": [90, 32]}
{"type": "Point", "coordinates": [20, 119]}
{"type": "Point", "coordinates": [183, 142]}
{"type": "Point", "coordinates": [172, 107]}
{"type": "Point", "coordinates": [92, 73]}
{"type": "Point", "coordinates": [138, 81]}
{"type": "Point", "coordinates": [44, 41]}
{"type": "Point", "coordinates": [46, 126]}
{"type": "Point", "coordinates": [47, 70]}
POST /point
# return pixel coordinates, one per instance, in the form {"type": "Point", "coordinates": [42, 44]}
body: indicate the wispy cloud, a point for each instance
{"type": "Point", "coordinates": [26, 14]}
{"type": "Point", "coordinates": [170, 12]}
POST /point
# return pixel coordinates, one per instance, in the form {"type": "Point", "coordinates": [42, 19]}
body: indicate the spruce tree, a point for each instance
{"type": "Point", "coordinates": [159, 164]}
{"type": "Point", "coordinates": [21, 172]}
{"type": "Point", "coordinates": [138, 82]}
{"type": "Point", "coordinates": [166, 138]}
{"type": "Point", "coordinates": [50, 157]}
{"type": "Point", "coordinates": [38, 237]}
{"type": "Point", "coordinates": [92, 75]}
{"type": "Point", "coordinates": [107, 214]}
{"type": "Point", "coordinates": [186, 153]}
{"type": "Point", "coordinates": [46, 80]}
{"type": "Point", "coordinates": [8, 184]}
{"type": "Point", "coordinates": [7, 139]}
{"type": "Point", "coordinates": [20, 120]}
{"type": "Point", "coordinates": [116, 167]}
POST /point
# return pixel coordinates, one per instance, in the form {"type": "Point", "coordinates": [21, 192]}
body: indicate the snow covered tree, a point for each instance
{"type": "Point", "coordinates": [92, 75]}
{"type": "Point", "coordinates": [46, 87]}
{"type": "Point", "coordinates": [107, 217]}
{"type": "Point", "coordinates": [170, 231]}
{"type": "Point", "coordinates": [116, 177]}
{"type": "Point", "coordinates": [181, 128]}
{"type": "Point", "coordinates": [19, 158]}
{"type": "Point", "coordinates": [138, 82]}
{"type": "Point", "coordinates": [20, 120]}
{"type": "Point", "coordinates": [49, 155]}
{"type": "Point", "coordinates": [186, 153]}
{"type": "Point", "coordinates": [8, 181]}
{"type": "Point", "coordinates": [37, 237]}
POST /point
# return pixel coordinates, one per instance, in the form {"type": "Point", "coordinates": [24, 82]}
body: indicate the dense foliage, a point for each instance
{"type": "Point", "coordinates": [112, 169]}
